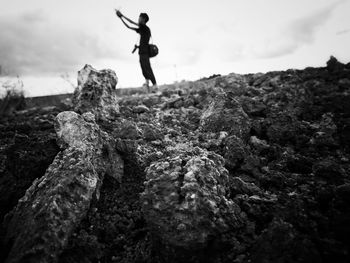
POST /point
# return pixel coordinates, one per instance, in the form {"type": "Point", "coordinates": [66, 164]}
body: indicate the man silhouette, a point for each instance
{"type": "Point", "coordinates": [145, 35]}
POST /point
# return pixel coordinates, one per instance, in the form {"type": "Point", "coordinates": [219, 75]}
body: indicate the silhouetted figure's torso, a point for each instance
{"type": "Point", "coordinates": [145, 34]}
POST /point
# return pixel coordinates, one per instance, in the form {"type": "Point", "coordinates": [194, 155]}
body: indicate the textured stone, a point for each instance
{"type": "Point", "coordinates": [238, 186]}
{"type": "Point", "coordinates": [41, 223]}
{"type": "Point", "coordinates": [234, 151]}
{"type": "Point", "coordinates": [326, 131]}
{"type": "Point", "coordinates": [96, 93]}
{"type": "Point", "coordinates": [225, 113]}
{"type": "Point", "coordinates": [254, 106]}
{"type": "Point", "coordinates": [258, 144]}
{"type": "Point", "coordinates": [334, 65]}
{"type": "Point", "coordinates": [74, 130]}
{"type": "Point", "coordinates": [140, 109]}
{"type": "Point", "coordinates": [45, 217]}
{"type": "Point", "coordinates": [275, 243]}
{"type": "Point", "coordinates": [329, 170]}
{"type": "Point", "coordinates": [184, 199]}
{"type": "Point", "coordinates": [127, 130]}
{"type": "Point", "coordinates": [289, 173]}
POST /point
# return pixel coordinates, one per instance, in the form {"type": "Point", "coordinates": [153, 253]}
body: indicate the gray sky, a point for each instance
{"type": "Point", "coordinates": [43, 39]}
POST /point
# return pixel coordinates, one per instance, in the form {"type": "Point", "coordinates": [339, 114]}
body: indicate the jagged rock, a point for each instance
{"type": "Point", "coordinates": [151, 100]}
{"type": "Point", "coordinates": [225, 113]}
{"type": "Point", "coordinates": [140, 109]}
{"type": "Point", "coordinates": [258, 144]}
{"type": "Point", "coordinates": [82, 132]}
{"type": "Point", "coordinates": [299, 164]}
{"type": "Point", "coordinates": [254, 107]}
{"type": "Point", "coordinates": [151, 132]}
{"type": "Point", "coordinates": [251, 165]}
{"type": "Point", "coordinates": [334, 65]}
{"type": "Point", "coordinates": [233, 83]}
{"type": "Point", "coordinates": [326, 131]}
{"type": "Point", "coordinates": [189, 101]}
{"type": "Point", "coordinates": [127, 130]}
{"type": "Point", "coordinates": [329, 170]}
{"type": "Point", "coordinates": [184, 199]}
{"type": "Point", "coordinates": [212, 141]}
{"type": "Point", "coordinates": [291, 162]}
{"type": "Point", "coordinates": [234, 152]}
{"type": "Point", "coordinates": [96, 93]}
{"type": "Point", "coordinates": [280, 242]}
{"type": "Point", "coordinates": [283, 128]}
{"type": "Point", "coordinates": [24, 157]}
{"type": "Point", "coordinates": [238, 186]}
{"type": "Point", "coordinates": [43, 220]}
{"type": "Point", "coordinates": [54, 205]}
{"type": "Point", "coordinates": [175, 101]}
{"type": "Point", "coordinates": [79, 131]}
{"type": "Point", "coordinates": [344, 83]}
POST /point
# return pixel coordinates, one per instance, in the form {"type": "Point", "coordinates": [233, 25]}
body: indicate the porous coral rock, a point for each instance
{"type": "Point", "coordinates": [41, 223]}
{"type": "Point", "coordinates": [45, 217]}
{"type": "Point", "coordinates": [184, 199]}
{"type": "Point", "coordinates": [225, 113]}
{"type": "Point", "coordinates": [96, 93]}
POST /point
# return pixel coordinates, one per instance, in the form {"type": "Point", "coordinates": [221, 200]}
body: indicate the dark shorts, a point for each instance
{"type": "Point", "coordinates": [147, 71]}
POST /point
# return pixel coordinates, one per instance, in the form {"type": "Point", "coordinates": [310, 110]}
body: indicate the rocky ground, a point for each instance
{"type": "Point", "coordinates": [236, 168]}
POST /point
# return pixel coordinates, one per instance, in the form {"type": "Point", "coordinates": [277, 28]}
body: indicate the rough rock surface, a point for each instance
{"type": "Point", "coordinates": [96, 93]}
{"type": "Point", "coordinates": [28, 147]}
{"type": "Point", "coordinates": [280, 242]}
{"type": "Point", "coordinates": [83, 133]}
{"type": "Point", "coordinates": [45, 217]}
{"type": "Point", "coordinates": [283, 138]}
{"type": "Point", "coordinates": [225, 113]}
{"type": "Point", "coordinates": [185, 199]}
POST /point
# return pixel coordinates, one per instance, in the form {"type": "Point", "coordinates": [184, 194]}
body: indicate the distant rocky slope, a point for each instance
{"type": "Point", "coordinates": [236, 168]}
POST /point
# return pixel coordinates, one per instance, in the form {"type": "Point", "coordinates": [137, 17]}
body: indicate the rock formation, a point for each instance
{"type": "Point", "coordinates": [185, 199]}
{"type": "Point", "coordinates": [225, 113]}
{"type": "Point", "coordinates": [237, 168]}
{"type": "Point", "coordinates": [96, 93]}
{"type": "Point", "coordinates": [44, 219]}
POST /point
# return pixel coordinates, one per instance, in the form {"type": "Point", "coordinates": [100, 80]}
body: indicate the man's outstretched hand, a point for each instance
{"type": "Point", "coordinates": [119, 14]}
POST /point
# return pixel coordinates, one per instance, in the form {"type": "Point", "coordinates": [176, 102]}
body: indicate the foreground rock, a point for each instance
{"type": "Point", "coordinates": [96, 93]}
{"type": "Point", "coordinates": [81, 132]}
{"type": "Point", "coordinates": [45, 217]}
{"type": "Point", "coordinates": [185, 201]}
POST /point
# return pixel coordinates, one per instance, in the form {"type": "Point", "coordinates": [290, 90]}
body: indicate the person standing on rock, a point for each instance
{"type": "Point", "coordinates": [145, 35]}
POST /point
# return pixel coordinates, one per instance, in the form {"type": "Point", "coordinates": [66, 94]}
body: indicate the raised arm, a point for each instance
{"type": "Point", "coordinates": [129, 20]}
{"type": "Point", "coordinates": [132, 28]}
{"type": "Point", "coordinates": [121, 16]}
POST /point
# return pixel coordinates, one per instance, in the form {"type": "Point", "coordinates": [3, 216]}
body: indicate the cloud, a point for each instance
{"type": "Point", "coordinates": [32, 44]}
{"type": "Point", "coordinates": [209, 42]}
{"type": "Point", "coordinates": [343, 32]}
{"type": "Point", "coordinates": [298, 33]}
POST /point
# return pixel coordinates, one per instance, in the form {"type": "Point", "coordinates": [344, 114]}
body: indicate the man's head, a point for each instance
{"type": "Point", "coordinates": [143, 18]}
